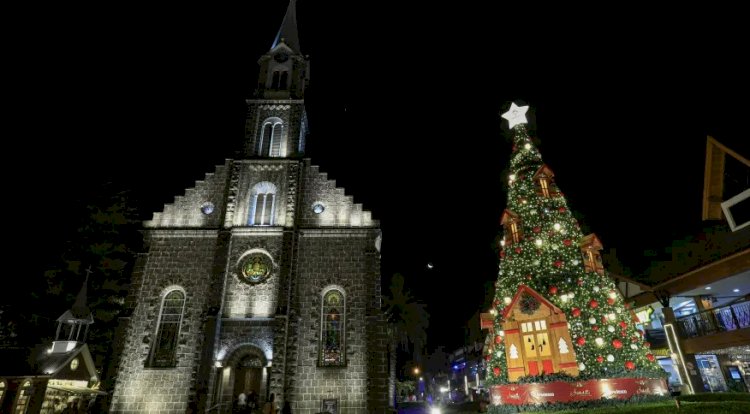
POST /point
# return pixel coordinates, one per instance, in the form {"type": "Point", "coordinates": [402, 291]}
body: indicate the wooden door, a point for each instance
{"type": "Point", "coordinates": [537, 349]}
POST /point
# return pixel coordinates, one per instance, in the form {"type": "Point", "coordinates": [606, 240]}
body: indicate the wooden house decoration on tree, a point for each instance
{"type": "Point", "coordinates": [592, 258]}
{"type": "Point", "coordinates": [512, 224]}
{"type": "Point", "coordinates": [537, 337]}
{"type": "Point", "coordinates": [543, 179]}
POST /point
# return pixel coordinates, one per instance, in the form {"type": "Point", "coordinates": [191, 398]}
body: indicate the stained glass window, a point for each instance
{"type": "Point", "coordinates": [332, 332]}
{"type": "Point", "coordinates": [165, 347]}
{"type": "Point", "coordinates": [22, 401]}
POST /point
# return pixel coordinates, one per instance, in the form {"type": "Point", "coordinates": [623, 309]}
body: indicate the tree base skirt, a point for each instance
{"type": "Point", "coordinates": [566, 392]}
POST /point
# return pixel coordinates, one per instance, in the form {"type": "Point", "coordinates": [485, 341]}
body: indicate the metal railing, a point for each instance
{"type": "Point", "coordinates": [725, 318]}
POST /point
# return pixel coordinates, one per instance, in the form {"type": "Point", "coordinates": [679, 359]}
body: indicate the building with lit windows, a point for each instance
{"type": "Point", "coordinates": [697, 313]}
{"type": "Point", "coordinates": [264, 277]}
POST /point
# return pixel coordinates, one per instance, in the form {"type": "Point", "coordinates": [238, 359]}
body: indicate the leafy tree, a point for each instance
{"type": "Point", "coordinates": [407, 326]}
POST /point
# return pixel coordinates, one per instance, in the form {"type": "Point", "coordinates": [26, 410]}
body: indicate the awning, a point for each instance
{"type": "Point", "coordinates": [76, 390]}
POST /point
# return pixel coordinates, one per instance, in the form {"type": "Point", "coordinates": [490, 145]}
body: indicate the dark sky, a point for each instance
{"type": "Point", "coordinates": [404, 114]}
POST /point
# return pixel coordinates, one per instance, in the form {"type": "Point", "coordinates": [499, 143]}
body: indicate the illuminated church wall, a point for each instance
{"type": "Point", "coordinates": [177, 259]}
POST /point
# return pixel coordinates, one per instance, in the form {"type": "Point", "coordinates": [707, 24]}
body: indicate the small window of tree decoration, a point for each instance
{"type": "Point", "coordinates": [255, 268]}
{"type": "Point", "coordinates": [544, 181]}
{"type": "Point", "coordinates": [592, 258]}
{"type": "Point", "coordinates": [332, 330]}
{"type": "Point", "coordinates": [512, 224]}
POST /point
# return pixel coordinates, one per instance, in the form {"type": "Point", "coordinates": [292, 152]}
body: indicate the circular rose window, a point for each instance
{"type": "Point", "coordinates": [256, 268]}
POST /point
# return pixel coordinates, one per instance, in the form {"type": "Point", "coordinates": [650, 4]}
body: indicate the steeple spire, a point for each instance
{"type": "Point", "coordinates": [69, 324]}
{"type": "Point", "coordinates": [288, 30]}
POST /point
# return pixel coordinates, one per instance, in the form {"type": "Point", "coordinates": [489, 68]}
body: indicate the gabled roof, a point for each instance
{"type": "Point", "coordinates": [535, 294]}
{"type": "Point", "coordinates": [544, 170]}
{"type": "Point", "coordinates": [713, 177]}
{"type": "Point", "coordinates": [508, 216]}
{"type": "Point", "coordinates": [53, 363]}
{"type": "Point", "coordinates": [591, 241]}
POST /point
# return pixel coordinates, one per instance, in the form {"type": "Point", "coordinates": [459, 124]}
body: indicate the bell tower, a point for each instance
{"type": "Point", "coordinates": [276, 123]}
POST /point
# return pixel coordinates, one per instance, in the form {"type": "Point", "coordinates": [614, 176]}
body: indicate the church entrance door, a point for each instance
{"type": "Point", "coordinates": [248, 376]}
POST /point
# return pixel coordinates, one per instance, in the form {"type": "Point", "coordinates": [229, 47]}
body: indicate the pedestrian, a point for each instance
{"type": "Point", "coordinates": [270, 406]}
{"type": "Point", "coordinates": [287, 408]}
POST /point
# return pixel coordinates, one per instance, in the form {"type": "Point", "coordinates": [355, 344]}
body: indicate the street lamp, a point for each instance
{"type": "Point", "coordinates": [416, 370]}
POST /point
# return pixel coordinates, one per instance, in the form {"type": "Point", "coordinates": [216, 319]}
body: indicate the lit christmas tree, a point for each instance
{"type": "Point", "coordinates": [557, 315]}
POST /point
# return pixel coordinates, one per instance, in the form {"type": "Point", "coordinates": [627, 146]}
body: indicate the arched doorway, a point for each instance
{"type": "Point", "coordinates": [244, 369]}
{"type": "Point", "coordinates": [248, 376]}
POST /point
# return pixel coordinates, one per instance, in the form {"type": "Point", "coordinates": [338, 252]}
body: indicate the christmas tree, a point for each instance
{"type": "Point", "coordinates": [557, 315]}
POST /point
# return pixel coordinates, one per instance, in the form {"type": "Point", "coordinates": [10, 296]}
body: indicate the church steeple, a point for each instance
{"type": "Point", "coordinates": [276, 124]}
{"type": "Point", "coordinates": [288, 30]}
{"type": "Point", "coordinates": [70, 323]}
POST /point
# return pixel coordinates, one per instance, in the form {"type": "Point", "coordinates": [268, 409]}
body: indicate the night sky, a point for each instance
{"type": "Point", "coordinates": [404, 114]}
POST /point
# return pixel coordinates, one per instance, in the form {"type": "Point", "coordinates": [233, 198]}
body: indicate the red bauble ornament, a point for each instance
{"type": "Point", "coordinates": [629, 365]}
{"type": "Point", "coordinates": [580, 282]}
{"type": "Point", "coordinates": [558, 263]}
{"type": "Point", "coordinates": [498, 339]}
{"type": "Point", "coordinates": [627, 306]}
{"type": "Point", "coordinates": [610, 301]}
{"type": "Point", "coordinates": [496, 370]}
{"type": "Point", "coordinates": [518, 250]}
{"type": "Point", "coordinates": [650, 357]}
{"type": "Point", "coordinates": [496, 303]}
{"type": "Point", "coordinates": [567, 242]}
{"type": "Point", "coordinates": [634, 339]}
{"type": "Point", "coordinates": [553, 290]}
{"type": "Point", "coordinates": [502, 254]}
{"type": "Point", "coordinates": [561, 209]}
{"type": "Point", "coordinates": [581, 341]}
{"type": "Point", "coordinates": [537, 229]}
{"type": "Point", "coordinates": [576, 312]}
{"type": "Point", "coordinates": [617, 343]}
{"type": "Point", "coordinates": [594, 304]}
{"type": "Point", "coordinates": [647, 344]}
{"type": "Point", "coordinates": [600, 359]}
{"type": "Point", "coordinates": [595, 328]}
{"type": "Point", "coordinates": [487, 358]}
{"type": "Point", "coordinates": [623, 325]}
{"type": "Point", "coordinates": [623, 334]}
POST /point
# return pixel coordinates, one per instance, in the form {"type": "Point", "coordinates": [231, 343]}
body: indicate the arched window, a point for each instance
{"type": "Point", "coordinates": [22, 401]}
{"type": "Point", "coordinates": [3, 386]}
{"type": "Point", "coordinates": [164, 348]}
{"type": "Point", "coordinates": [262, 204]}
{"type": "Point", "coordinates": [269, 144]}
{"type": "Point", "coordinates": [332, 333]}
{"type": "Point", "coordinates": [283, 81]}
{"type": "Point", "coordinates": [275, 80]}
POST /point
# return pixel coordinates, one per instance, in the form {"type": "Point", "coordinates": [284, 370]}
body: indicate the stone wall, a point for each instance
{"type": "Point", "coordinates": [345, 258]}
{"type": "Point", "coordinates": [177, 258]}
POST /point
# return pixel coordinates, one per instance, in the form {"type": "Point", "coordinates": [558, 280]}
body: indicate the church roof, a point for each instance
{"type": "Point", "coordinates": [288, 30]}
{"type": "Point", "coordinates": [80, 310]}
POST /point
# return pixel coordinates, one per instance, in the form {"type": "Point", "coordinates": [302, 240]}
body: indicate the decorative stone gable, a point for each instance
{"type": "Point", "coordinates": [325, 205]}
{"type": "Point", "coordinates": [201, 206]}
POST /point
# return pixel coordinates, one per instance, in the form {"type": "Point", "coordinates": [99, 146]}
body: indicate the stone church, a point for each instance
{"type": "Point", "coordinates": [263, 277]}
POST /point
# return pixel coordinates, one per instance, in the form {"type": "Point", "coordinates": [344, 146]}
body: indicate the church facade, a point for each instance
{"type": "Point", "coordinates": [264, 278]}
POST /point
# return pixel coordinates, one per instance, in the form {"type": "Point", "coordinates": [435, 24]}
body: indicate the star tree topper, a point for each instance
{"type": "Point", "coordinates": [516, 115]}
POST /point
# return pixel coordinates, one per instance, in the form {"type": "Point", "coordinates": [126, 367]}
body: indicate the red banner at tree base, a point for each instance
{"type": "Point", "coordinates": [564, 392]}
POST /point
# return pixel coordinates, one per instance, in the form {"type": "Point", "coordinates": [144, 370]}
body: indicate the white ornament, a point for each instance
{"type": "Point", "coordinates": [516, 115]}
{"type": "Point", "coordinates": [507, 300]}
{"type": "Point", "coordinates": [633, 346]}
{"type": "Point", "coordinates": [562, 346]}
{"type": "Point", "coordinates": [610, 358]}
{"type": "Point", "coordinates": [611, 328]}
{"type": "Point", "coordinates": [536, 262]}
{"type": "Point", "coordinates": [592, 321]}
{"type": "Point", "coordinates": [557, 226]}
{"type": "Point", "coordinates": [599, 341]}
{"type": "Point", "coordinates": [575, 261]}
{"type": "Point", "coordinates": [581, 366]}
{"type": "Point", "coordinates": [527, 146]}
{"type": "Point", "coordinates": [513, 352]}
{"type": "Point", "coordinates": [596, 288]}
{"type": "Point", "coordinates": [538, 242]}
